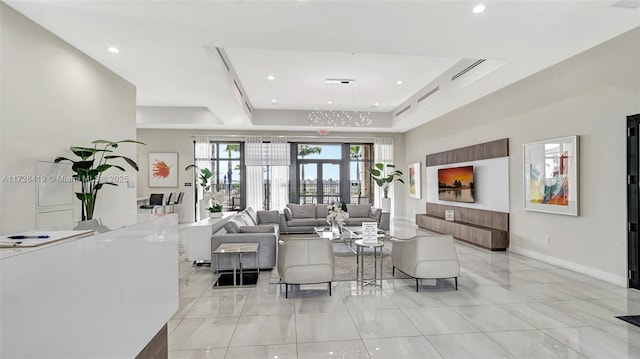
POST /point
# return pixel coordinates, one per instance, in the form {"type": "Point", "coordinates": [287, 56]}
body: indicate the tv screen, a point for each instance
{"type": "Point", "coordinates": [456, 184]}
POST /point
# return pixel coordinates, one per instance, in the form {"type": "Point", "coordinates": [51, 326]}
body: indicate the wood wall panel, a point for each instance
{"type": "Point", "coordinates": [482, 151]}
{"type": "Point", "coordinates": [488, 229]}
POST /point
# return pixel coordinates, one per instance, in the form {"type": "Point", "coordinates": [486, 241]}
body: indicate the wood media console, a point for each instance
{"type": "Point", "coordinates": [488, 229]}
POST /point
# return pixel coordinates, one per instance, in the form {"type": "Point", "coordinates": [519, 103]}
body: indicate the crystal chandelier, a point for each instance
{"type": "Point", "coordinates": [331, 118]}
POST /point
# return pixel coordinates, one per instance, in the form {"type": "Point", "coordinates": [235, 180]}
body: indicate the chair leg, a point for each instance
{"type": "Point", "coordinates": [393, 271]}
{"type": "Point", "coordinates": [416, 284]}
{"type": "Point", "coordinates": [329, 288]}
{"type": "Point", "coordinates": [456, 279]}
{"type": "Point", "coordinates": [286, 290]}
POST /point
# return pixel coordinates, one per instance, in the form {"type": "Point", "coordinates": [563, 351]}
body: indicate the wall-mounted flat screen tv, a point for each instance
{"type": "Point", "coordinates": [456, 184]}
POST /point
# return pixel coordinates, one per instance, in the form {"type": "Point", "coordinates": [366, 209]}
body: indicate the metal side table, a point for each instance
{"type": "Point", "coordinates": [237, 249]}
{"type": "Point", "coordinates": [377, 262]}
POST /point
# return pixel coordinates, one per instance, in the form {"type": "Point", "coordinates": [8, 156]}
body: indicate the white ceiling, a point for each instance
{"type": "Point", "coordinates": [166, 52]}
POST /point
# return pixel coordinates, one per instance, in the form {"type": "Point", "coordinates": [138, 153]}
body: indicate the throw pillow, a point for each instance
{"type": "Point", "coordinates": [252, 214]}
{"type": "Point", "coordinates": [268, 217]}
{"type": "Point", "coordinates": [375, 213]}
{"type": "Point", "coordinates": [233, 225]}
{"type": "Point", "coordinates": [245, 218]}
{"type": "Point", "coordinates": [287, 214]}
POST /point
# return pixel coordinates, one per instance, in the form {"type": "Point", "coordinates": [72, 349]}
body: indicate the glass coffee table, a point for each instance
{"type": "Point", "coordinates": [344, 237]}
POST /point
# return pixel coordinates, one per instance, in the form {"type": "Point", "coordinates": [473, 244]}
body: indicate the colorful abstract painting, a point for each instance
{"type": "Point", "coordinates": [551, 176]}
{"type": "Point", "coordinates": [163, 169]}
{"type": "Point", "coordinates": [414, 180]}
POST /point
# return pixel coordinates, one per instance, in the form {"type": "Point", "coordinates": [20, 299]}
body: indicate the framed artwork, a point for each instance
{"type": "Point", "coordinates": [414, 180]}
{"type": "Point", "coordinates": [551, 176]}
{"type": "Point", "coordinates": [163, 169]}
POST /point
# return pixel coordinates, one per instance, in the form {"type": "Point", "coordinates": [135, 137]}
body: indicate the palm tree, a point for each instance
{"type": "Point", "coordinates": [356, 155]}
{"type": "Point", "coordinates": [305, 150]}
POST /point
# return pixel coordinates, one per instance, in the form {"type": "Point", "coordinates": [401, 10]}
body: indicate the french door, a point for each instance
{"type": "Point", "coordinates": [633, 199]}
{"type": "Point", "coordinates": [319, 182]}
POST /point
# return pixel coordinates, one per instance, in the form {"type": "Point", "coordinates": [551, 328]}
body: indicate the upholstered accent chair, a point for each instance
{"type": "Point", "coordinates": [426, 257]}
{"type": "Point", "coordinates": [306, 261]}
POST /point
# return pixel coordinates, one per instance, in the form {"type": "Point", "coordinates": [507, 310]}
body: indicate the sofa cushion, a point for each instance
{"type": "Point", "coordinates": [322, 211]}
{"type": "Point", "coordinates": [376, 213]}
{"type": "Point", "coordinates": [297, 222]}
{"type": "Point", "coordinates": [287, 214]}
{"type": "Point", "coordinates": [245, 218]}
{"type": "Point", "coordinates": [233, 224]}
{"type": "Point", "coordinates": [302, 210]}
{"type": "Point", "coordinates": [358, 210]}
{"type": "Point", "coordinates": [264, 228]}
{"type": "Point", "coordinates": [268, 217]}
{"type": "Point", "coordinates": [252, 214]}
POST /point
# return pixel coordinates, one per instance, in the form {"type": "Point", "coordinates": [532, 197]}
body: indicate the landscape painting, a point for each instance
{"type": "Point", "coordinates": [456, 184]}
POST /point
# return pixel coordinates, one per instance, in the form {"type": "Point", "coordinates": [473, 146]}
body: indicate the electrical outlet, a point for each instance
{"type": "Point", "coordinates": [547, 239]}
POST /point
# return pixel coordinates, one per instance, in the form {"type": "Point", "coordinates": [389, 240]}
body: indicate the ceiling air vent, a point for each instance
{"type": "Point", "coordinates": [630, 4]}
{"type": "Point", "coordinates": [223, 60]}
{"type": "Point", "coordinates": [403, 111]}
{"type": "Point", "coordinates": [238, 88]}
{"type": "Point", "coordinates": [469, 68]}
{"type": "Point", "coordinates": [428, 94]}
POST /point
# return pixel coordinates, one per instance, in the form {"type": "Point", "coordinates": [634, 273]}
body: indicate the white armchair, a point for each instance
{"type": "Point", "coordinates": [426, 257]}
{"type": "Point", "coordinates": [306, 261]}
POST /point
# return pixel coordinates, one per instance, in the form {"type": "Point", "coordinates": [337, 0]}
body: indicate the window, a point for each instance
{"type": "Point", "coordinates": [360, 160]}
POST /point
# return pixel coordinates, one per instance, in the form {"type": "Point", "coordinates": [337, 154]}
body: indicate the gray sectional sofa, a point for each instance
{"type": "Point", "coordinates": [303, 218]}
{"type": "Point", "coordinates": [249, 226]}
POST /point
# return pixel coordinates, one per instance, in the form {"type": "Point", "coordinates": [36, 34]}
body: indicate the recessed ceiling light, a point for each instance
{"type": "Point", "coordinates": [399, 82]}
{"type": "Point", "coordinates": [113, 49]}
{"type": "Point", "coordinates": [329, 102]}
{"type": "Point", "coordinates": [374, 105]}
{"type": "Point", "coordinates": [274, 101]}
{"type": "Point", "coordinates": [270, 78]}
{"type": "Point", "coordinates": [478, 8]}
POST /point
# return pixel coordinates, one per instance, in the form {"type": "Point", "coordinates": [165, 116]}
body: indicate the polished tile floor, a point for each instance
{"type": "Point", "coordinates": [507, 306]}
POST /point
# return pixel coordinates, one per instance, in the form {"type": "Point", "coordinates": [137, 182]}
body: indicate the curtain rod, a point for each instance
{"type": "Point", "coordinates": [296, 137]}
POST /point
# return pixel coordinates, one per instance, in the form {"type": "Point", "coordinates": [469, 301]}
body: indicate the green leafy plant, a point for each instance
{"type": "Point", "coordinates": [385, 176]}
{"type": "Point", "coordinates": [204, 176]}
{"type": "Point", "coordinates": [89, 170]}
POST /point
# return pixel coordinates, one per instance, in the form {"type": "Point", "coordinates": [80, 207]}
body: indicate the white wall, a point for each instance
{"type": "Point", "coordinates": [588, 95]}
{"type": "Point", "coordinates": [181, 141]}
{"type": "Point", "coordinates": [53, 97]}
{"type": "Point", "coordinates": [490, 181]}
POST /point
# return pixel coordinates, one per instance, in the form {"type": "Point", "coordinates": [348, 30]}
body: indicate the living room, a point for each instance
{"type": "Point", "coordinates": [55, 96]}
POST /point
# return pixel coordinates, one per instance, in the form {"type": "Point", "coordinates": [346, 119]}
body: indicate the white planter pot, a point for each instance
{"type": "Point", "coordinates": [386, 204]}
{"type": "Point", "coordinates": [215, 214]}
{"type": "Point", "coordinates": [202, 208]}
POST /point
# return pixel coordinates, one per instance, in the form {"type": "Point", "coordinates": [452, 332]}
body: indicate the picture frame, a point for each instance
{"type": "Point", "coordinates": [163, 169]}
{"type": "Point", "coordinates": [551, 175]}
{"type": "Point", "coordinates": [414, 180]}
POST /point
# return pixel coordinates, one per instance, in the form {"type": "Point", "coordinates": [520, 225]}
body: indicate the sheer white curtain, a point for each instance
{"type": "Point", "coordinates": [383, 152]}
{"type": "Point", "coordinates": [280, 159]}
{"type": "Point", "coordinates": [253, 151]}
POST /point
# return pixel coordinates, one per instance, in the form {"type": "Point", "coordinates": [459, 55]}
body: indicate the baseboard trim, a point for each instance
{"type": "Point", "coordinates": [578, 268]}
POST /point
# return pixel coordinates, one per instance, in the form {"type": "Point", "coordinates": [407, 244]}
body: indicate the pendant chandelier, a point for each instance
{"type": "Point", "coordinates": [339, 118]}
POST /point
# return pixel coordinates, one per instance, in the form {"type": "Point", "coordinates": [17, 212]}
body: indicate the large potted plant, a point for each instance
{"type": "Point", "coordinates": [204, 176]}
{"type": "Point", "coordinates": [89, 170]}
{"type": "Point", "coordinates": [384, 175]}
